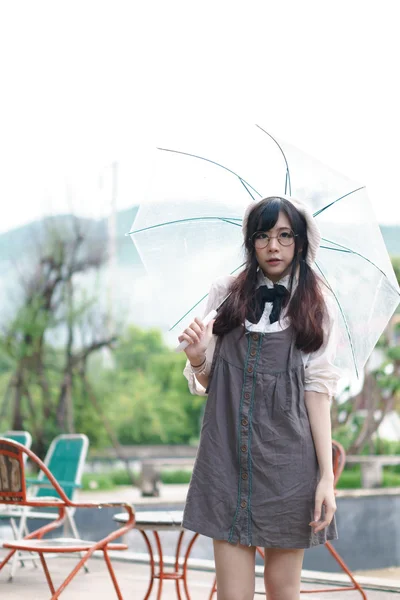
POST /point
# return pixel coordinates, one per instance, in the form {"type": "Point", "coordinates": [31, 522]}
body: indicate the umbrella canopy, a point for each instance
{"type": "Point", "coordinates": [188, 233]}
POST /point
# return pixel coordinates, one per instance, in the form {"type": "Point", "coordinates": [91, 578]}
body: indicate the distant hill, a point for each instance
{"type": "Point", "coordinates": [131, 289]}
{"type": "Point", "coordinates": [14, 243]}
{"type": "Point", "coordinates": [20, 247]}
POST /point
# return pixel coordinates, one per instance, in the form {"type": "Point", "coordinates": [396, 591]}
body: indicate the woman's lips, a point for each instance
{"type": "Point", "coordinates": [274, 261]}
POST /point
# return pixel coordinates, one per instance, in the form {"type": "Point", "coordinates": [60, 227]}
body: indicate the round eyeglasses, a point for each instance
{"type": "Point", "coordinates": [260, 239]}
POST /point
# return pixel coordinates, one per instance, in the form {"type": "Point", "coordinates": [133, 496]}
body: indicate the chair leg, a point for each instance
{"type": "Point", "coordinates": [7, 558]}
{"type": "Point", "coordinates": [112, 573]}
{"type": "Point", "coordinates": [15, 534]}
{"type": "Point", "coordinates": [75, 533]}
{"type": "Point", "coordinates": [19, 534]}
{"type": "Point", "coordinates": [345, 568]}
{"type": "Point", "coordinates": [74, 571]}
{"type": "Point", "coordinates": [72, 524]}
{"type": "Point", "coordinates": [213, 589]}
{"type": "Point", "coordinates": [46, 572]}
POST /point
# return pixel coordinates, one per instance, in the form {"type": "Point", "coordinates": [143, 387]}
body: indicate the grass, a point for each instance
{"type": "Point", "coordinates": [349, 480]}
{"type": "Point", "coordinates": [97, 481]}
{"type": "Point", "coordinates": [112, 479]}
{"type": "Point", "coordinates": [181, 476]}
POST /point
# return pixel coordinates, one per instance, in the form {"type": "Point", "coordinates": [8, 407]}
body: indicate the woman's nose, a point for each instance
{"type": "Point", "coordinates": [273, 244]}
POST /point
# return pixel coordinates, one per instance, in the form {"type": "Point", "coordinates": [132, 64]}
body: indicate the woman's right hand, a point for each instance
{"type": "Point", "coordinates": [199, 337]}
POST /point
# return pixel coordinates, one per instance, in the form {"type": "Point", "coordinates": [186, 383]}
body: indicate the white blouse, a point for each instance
{"type": "Point", "coordinates": [321, 375]}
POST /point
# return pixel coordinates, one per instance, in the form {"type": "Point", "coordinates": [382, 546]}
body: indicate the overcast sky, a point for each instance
{"type": "Point", "coordinates": [85, 83]}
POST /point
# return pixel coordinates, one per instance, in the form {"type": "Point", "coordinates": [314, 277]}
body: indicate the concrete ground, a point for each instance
{"type": "Point", "coordinates": [29, 584]}
{"type": "Point", "coordinates": [173, 494]}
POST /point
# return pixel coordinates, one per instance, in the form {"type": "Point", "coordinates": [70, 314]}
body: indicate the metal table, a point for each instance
{"type": "Point", "coordinates": [156, 521]}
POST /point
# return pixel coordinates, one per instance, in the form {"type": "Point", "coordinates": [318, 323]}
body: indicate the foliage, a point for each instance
{"type": "Point", "coordinates": [356, 420]}
{"type": "Point", "coordinates": [346, 433]}
{"type": "Point", "coordinates": [351, 478]}
{"type": "Point", "coordinates": [396, 266]}
{"type": "Point", "coordinates": [45, 380]}
{"type": "Point", "coordinates": [143, 397]}
{"type": "Point", "coordinates": [180, 476]}
{"type": "Point", "coordinates": [136, 347]}
{"type": "Point", "coordinates": [112, 479]}
{"type": "Point", "coordinates": [97, 481]}
{"type": "Point", "coordinates": [146, 396]}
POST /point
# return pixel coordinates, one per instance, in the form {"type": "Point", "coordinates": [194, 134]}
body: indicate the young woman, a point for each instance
{"type": "Point", "coordinates": [263, 473]}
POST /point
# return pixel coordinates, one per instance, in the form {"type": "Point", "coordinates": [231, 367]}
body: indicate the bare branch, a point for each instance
{"type": "Point", "coordinates": [83, 355]}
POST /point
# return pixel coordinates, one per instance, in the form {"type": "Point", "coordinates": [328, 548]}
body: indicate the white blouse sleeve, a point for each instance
{"type": "Point", "coordinates": [217, 293]}
{"type": "Point", "coordinates": [321, 375]}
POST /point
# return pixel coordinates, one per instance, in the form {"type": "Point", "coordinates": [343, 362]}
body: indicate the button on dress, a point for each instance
{"type": "Point", "coordinates": [256, 469]}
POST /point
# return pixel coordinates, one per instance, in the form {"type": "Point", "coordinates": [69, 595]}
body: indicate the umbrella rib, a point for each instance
{"type": "Point", "coordinates": [246, 188]}
{"type": "Point", "coordinates": [226, 219]}
{"type": "Point", "coordinates": [343, 315]}
{"type": "Point", "coordinates": [213, 162]}
{"type": "Point", "coordinates": [321, 210]}
{"type": "Point", "coordinates": [205, 296]}
{"type": "Point", "coordinates": [287, 179]}
{"type": "Point", "coordinates": [336, 249]}
{"type": "Point", "coordinates": [188, 312]}
{"type": "Point", "coordinates": [350, 251]}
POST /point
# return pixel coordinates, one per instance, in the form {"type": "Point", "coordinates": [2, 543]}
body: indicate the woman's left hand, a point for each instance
{"type": "Point", "coordinates": [324, 495]}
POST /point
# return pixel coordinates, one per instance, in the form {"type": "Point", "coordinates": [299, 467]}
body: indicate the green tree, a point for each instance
{"type": "Point", "coordinates": [136, 346]}
{"type": "Point", "coordinates": [147, 397]}
{"type": "Point", "coordinates": [39, 394]}
{"type": "Point", "coordinates": [380, 395]}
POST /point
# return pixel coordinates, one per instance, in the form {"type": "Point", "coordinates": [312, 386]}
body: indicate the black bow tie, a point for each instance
{"type": "Point", "coordinates": [264, 294]}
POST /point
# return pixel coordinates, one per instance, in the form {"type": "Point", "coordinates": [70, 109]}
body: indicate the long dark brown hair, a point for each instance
{"type": "Point", "coordinates": [306, 308]}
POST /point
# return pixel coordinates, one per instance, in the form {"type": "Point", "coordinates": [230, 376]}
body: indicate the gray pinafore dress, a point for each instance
{"type": "Point", "coordinates": [256, 469]}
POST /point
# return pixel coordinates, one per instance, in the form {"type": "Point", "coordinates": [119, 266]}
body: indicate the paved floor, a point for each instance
{"type": "Point", "coordinates": [174, 495]}
{"type": "Point", "coordinates": [29, 584]}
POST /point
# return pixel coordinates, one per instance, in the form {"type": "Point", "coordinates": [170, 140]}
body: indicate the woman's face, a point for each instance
{"type": "Point", "coordinates": [275, 259]}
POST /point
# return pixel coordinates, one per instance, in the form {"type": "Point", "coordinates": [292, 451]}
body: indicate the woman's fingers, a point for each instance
{"type": "Point", "coordinates": [193, 333]}
{"type": "Point", "coordinates": [200, 323]}
{"type": "Point", "coordinates": [330, 511]}
{"type": "Point", "coordinates": [185, 338]}
{"type": "Point", "coordinates": [318, 507]}
{"type": "Point", "coordinates": [318, 525]}
{"type": "Point", "coordinates": [197, 328]}
{"type": "Point", "coordinates": [197, 332]}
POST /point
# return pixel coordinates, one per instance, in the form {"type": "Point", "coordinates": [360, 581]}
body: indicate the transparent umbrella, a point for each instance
{"type": "Point", "coordinates": [188, 233]}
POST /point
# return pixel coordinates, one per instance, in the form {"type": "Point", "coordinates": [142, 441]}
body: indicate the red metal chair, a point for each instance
{"type": "Point", "coordinates": [13, 492]}
{"type": "Point", "coordinates": [339, 460]}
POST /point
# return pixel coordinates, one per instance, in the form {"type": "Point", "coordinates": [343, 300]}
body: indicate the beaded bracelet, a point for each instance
{"type": "Point", "coordinates": [199, 369]}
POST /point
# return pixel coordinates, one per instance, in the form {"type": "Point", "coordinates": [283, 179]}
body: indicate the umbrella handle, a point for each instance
{"type": "Point", "coordinates": [211, 315]}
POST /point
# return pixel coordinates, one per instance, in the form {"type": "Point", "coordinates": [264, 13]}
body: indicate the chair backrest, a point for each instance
{"type": "Point", "coordinates": [339, 460]}
{"type": "Point", "coordinates": [12, 475]}
{"type": "Point", "coordinates": [22, 437]}
{"type": "Point", "coordinates": [13, 489]}
{"type": "Point", "coordinates": [65, 459]}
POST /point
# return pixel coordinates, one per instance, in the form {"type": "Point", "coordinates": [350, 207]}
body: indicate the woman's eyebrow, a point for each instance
{"type": "Point", "coordinates": [272, 228]}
